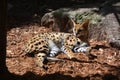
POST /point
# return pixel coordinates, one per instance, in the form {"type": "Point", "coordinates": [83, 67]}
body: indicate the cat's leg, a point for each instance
{"type": "Point", "coordinates": [39, 59]}
{"type": "Point", "coordinates": [67, 45]}
{"type": "Point", "coordinates": [83, 47]}
{"type": "Point", "coordinates": [54, 50]}
{"type": "Point", "coordinates": [68, 51]}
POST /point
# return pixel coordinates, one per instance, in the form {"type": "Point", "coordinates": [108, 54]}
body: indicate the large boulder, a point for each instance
{"type": "Point", "coordinates": [60, 20]}
{"type": "Point", "coordinates": [108, 29]}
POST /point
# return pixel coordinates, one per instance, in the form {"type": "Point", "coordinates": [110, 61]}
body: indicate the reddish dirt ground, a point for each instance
{"type": "Point", "coordinates": [102, 64]}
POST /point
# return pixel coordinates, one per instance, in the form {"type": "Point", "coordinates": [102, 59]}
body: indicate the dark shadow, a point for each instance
{"type": "Point", "coordinates": [81, 61]}
{"type": "Point", "coordinates": [2, 37]}
{"type": "Point", "coordinates": [54, 76]}
{"type": "Point", "coordinates": [111, 66]}
{"type": "Point", "coordinates": [24, 12]}
{"type": "Point", "coordinates": [4, 73]}
{"type": "Point", "coordinates": [117, 16]}
{"type": "Point", "coordinates": [115, 44]}
{"type": "Point", "coordinates": [109, 77]}
{"type": "Point", "coordinates": [107, 7]}
{"type": "Point", "coordinates": [100, 46]}
{"type": "Point", "coordinates": [59, 76]}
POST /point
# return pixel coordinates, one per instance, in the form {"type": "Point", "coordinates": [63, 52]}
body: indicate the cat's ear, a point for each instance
{"type": "Point", "coordinates": [73, 26]}
{"type": "Point", "coordinates": [73, 22]}
{"type": "Point", "coordinates": [85, 24]}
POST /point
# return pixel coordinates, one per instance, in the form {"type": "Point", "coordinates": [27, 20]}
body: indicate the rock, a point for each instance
{"type": "Point", "coordinates": [60, 20]}
{"type": "Point", "coordinates": [108, 29]}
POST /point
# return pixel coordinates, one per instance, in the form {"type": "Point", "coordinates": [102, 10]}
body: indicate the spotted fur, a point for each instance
{"type": "Point", "coordinates": [50, 44]}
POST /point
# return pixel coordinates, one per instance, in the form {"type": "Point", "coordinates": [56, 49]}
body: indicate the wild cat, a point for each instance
{"type": "Point", "coordinates": [47, 45]}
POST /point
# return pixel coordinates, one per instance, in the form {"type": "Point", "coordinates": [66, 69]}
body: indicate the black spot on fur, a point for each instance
{"type": "Point", "coordinates": [32, 46]}
{"type": "Point", "coordinates": [34, 41]}
{"type": "Point", "coordinates": [45, 46]}
{"type": "Point", "coordinates": [42, 41]}
{"type": "Point", "coordinates": [39, 42]}
{"type": "Point", "coordinates": [67, 38]}
{"type": "Point", "coordinates": [36, 44]}
{"type": "Point", "coordinates": [40, 48]}
{"type": "Point", "coordinates": [36, 47]}
{"type": "Point", "coordinates": [52, 36]}
{"type": "Point", "coordinates": [66, 44]}
{"type": "Point", "coordinates": [57, 37]}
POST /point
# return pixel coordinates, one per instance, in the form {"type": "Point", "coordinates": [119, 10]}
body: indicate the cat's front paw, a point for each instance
{"type": "Point", "coordinates": [72, 55]}
{"type": "Point", "coordinates": [81, 49]}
